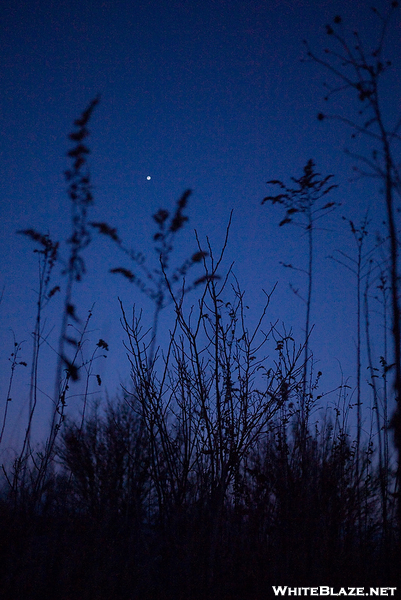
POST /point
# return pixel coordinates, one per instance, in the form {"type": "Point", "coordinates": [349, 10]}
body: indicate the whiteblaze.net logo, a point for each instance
{"type": "Point", "coordinates": [325, 590]}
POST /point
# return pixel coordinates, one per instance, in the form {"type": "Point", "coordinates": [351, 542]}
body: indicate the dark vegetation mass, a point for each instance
{"type": "Point", "coordinates": [205, 478]}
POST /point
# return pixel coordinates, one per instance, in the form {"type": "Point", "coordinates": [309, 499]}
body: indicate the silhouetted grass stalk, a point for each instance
{"type": "Point", "coordinates": [302, 203]}
{"type": "Point", "coordinates": [360, 71]}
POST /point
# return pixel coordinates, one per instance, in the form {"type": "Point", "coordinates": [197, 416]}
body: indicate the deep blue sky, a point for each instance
{"type": "Point", "coordinates": [208, 95]}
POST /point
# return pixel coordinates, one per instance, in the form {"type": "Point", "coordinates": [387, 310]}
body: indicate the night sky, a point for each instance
{"type": "Point", "coordinates": [207, 95]}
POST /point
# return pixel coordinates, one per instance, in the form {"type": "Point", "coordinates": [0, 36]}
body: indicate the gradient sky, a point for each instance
{"type": "Point", "coordinates": [209, 95]}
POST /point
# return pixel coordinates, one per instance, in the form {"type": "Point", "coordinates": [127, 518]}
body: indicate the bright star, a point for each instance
{"type": "Point", "coordinates": [148, 178]}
